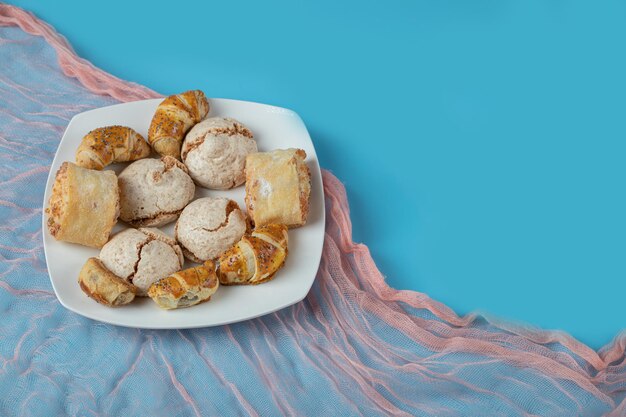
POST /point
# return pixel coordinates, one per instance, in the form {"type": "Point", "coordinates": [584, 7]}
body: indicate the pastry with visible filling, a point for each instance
{"type": "Point", "coordinates": [215, 152]}
{"type": "Point", "coordinates": [209, 226]}
{"type": "Point", "coordinates": [104, 286]}
{"type": "Point", "coordinates": [278, 185]}
{"type": "Point", "coordinates": [153, 192]}
{"type": "Point", "coordinates": [185, 288]}
{"type": "Point", "coordinates": [84, 205]}
{"type": "Point", "coordinates": [256, 257]}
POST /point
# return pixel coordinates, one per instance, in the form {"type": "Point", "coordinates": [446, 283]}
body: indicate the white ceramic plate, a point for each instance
{"type": "Point", "coordinates": [273, 128]}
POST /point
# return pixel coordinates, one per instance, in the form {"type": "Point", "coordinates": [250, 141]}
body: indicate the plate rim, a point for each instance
{"type": "Point", "coordinates": [166, 326]}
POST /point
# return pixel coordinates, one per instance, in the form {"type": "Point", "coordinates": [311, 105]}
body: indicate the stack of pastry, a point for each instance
{"type": "Point", "coordinates": [232, 247]}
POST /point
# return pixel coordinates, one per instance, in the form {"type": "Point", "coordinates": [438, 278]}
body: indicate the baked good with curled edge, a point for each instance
{"type": "Point", "coordinates": [185, 288]}
{"type": "Point", "coordinates": [278, 186]}
{"type": "Point", "coordinates": [109, 144]}
{"type": "Point", "coordinates": [173, 119]}
{"type": "Point", "coordinates": [256, 257]}
{"type": "Point", "coordinates": [83, 205]}
{"type": "Point", "coordinates": [103, 285]}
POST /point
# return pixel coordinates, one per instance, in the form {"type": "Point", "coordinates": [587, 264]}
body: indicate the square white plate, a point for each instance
{"type": "Point", "coordinates": [273, 128]}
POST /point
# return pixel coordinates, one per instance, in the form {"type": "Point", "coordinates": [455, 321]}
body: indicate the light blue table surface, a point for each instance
{"type": "Point", "coordinates": [482, 143]}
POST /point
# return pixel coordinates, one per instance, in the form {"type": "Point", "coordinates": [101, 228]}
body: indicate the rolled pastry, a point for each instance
{"type": "Point", "coordinates": [278, 186]}
{"type": "Point", "coordinates": [104, 286]}
{"type": "Point", "coordinates": [84, 205]}
{"type": "Point", "coordinates": [185, 288]}
{"type": "Point", "coordinates": [256, 257]}
{"type": "Point", "coordinates": [173, 119]}
{"type": "Point", "coordinates": [109, 144]}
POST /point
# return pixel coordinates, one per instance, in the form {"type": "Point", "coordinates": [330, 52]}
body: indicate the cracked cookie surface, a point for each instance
{"type": "Point", "coordinates": [215, 152]}
{"type": "Point", "coordinates": [142, 256]}
{"type": "Point", "coordinates": [153, 192]}
{"type": "Point", "coordinates": [209, 226]}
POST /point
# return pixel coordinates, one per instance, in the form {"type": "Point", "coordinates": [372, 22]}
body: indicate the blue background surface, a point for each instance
{"type": "Point", "coordinates": [482, 143]}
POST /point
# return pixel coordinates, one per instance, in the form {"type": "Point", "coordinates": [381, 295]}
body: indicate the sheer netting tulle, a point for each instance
{"type": "Point", "coordinates": [354, 346]}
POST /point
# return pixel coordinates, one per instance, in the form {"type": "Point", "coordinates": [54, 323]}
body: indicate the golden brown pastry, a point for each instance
{"type": "Point", "coordinates": [84, 205]}
{"type": "Point", "coordinates": [256, 257]}
{"type": "Point", "coordinates": [104, 286]}
{"type": "Point", "coordinates": [185, 288]}
{"type": "Point", "coordinates": [278, 185]}
{"type": "Point", "coordinates": [109, 144]}
{"type": "Point", "coordinates": [173, 118]}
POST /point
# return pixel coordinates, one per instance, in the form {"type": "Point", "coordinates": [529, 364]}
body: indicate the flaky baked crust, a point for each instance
{"type": "Point", "coordinates": [103, 285]}
{"type": "Point", "coordinates": [278, 186]}
{"type": "Point", "coordinates": [109, 144]}
{"type": "Point", "coordinates": [256, 257]}
{"type": "Point", "coordinates": [185, 288]}
{"type": "Point", "coordinates": [84, 205]}
{"type": "Point", "coordinates": [173, 119]}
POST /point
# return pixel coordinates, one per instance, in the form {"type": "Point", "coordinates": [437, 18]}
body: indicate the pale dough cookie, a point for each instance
{"type": "Point", "coordinates": [215, 152]}
{"type": "Point", "coordinates": [209, 226]}
{"type": "Point", "coordinates": [153, 192]}
{"type": "Point", "coordinates": [142, 257]}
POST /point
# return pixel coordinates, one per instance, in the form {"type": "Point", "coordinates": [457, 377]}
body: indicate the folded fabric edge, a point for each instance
{"type": "Point", "coordinates": [91, 77]}
{"type": "Point", "coordinates": [542, 359]}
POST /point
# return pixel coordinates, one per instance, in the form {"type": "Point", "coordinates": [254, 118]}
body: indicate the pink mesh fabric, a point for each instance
{"type": "Point", "coordinates": [72, 65]}
{"type": "Point", "coordinates": [354, 346]}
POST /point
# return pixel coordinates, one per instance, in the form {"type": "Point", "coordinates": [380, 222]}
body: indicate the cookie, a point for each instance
{"type": "Point", "coordinates": [215, 152]}
{"type": "Point", "coordinates": [142, 257]}
{"type": "Point", "coordinates": [153, 192]}
{"type": "Point", "coordinates": [209, 226]}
